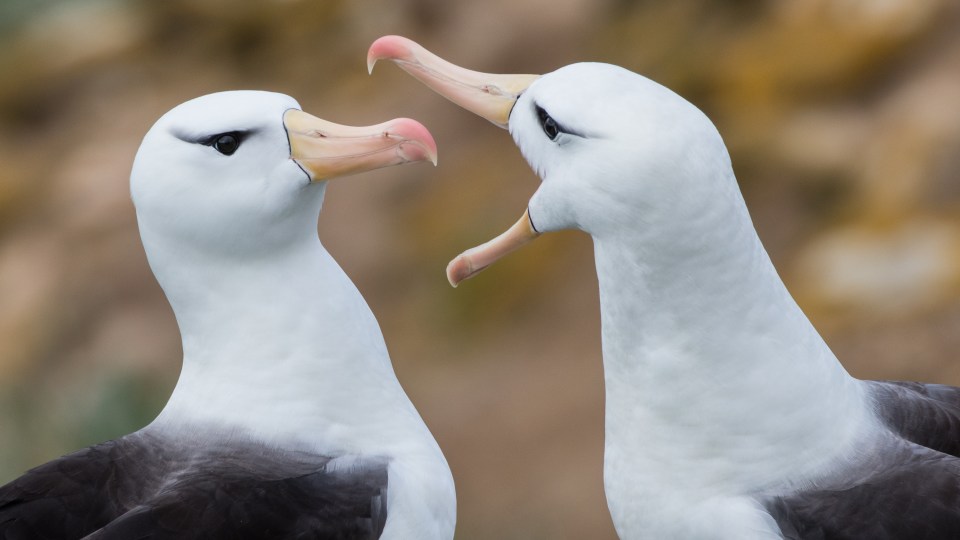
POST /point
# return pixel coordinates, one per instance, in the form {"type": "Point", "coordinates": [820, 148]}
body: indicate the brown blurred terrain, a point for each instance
{"type": "Point", "coordinates": [842, 117]}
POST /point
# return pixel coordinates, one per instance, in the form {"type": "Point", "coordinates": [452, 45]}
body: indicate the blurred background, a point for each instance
{"type": "Point", "coordinates": [842, 117]}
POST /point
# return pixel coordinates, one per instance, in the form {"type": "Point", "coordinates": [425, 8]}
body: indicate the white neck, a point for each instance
{"type": "Point", "coordinates": [716, 382]}
{"type": "Point", "coordinates": [280, 343]}
{"type": "Point", "coordinates": [283, 348]}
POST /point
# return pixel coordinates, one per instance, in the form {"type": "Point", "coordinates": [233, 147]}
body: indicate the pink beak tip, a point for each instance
{"type": "Point", "coordinates": [389, 48]}
{"type": "Point", "coordinates": [417, 133]}
{"type": "Point", "coordinates": [458, 270]}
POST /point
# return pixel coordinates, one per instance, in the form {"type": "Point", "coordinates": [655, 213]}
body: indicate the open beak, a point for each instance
{"type": "Point", "coordinates": [488, 95]}
{"type": "Point", "coordinates": [326, 150]}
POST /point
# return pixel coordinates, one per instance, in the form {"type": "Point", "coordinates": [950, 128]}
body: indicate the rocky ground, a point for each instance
{"type": "Point", "coordinates": [842, 117]}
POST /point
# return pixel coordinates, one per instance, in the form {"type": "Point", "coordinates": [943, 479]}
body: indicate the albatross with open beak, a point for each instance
{"type": "Point", "coordinates": [727, 416]}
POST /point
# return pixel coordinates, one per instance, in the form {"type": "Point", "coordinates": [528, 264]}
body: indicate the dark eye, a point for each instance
{"type": "Point", "coordinates": [226, 144]}
{"type": "Point", "coordinates": [549, 125]}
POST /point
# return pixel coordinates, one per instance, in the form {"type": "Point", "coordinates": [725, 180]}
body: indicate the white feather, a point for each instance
{"type": "Point", "coordinates": [277, 341]}
{"type": "Point", "coordinates": [718, 388]}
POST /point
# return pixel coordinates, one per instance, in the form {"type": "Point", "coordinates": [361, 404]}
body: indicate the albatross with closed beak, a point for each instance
{"type": "Point", "coordinates": [727, 416]}
{"type": "Point", "coordinates": [287, 420]}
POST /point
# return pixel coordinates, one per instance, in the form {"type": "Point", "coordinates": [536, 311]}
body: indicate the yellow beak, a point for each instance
{"type": "Point", "coordinates": [326, 150]}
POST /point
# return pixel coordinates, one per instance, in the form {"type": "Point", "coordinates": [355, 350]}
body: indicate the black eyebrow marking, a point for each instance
{"type": "Point", "coordinates": [542, 114]}
{"type": "Point", "coordinates": [209, 139]}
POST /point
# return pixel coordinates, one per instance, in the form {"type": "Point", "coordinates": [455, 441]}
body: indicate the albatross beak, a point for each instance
{"type": "Point", "coordinates": [472, 261]}
{"type": "Point", "coordinates": [326, 150]}
{"type": "Point", "coordinates": [488, 95]}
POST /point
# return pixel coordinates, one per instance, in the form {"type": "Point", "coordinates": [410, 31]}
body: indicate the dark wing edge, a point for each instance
{"type": "Point", "coordinates": [141, 486]}
{"type": "Point", "coordinates": [916, 496]}
{"type": "Point", "coordinates": [332, 505]}
{"type": "Point", "coordinates": [925, 414]}
{"type": "Point", "coordinates": [77, 493]}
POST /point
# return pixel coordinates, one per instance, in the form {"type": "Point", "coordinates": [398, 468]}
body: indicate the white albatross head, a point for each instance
{"type": "Point", "coordinates": [244, 172]}
{"type": "Point", "coordinates": [609, 145]}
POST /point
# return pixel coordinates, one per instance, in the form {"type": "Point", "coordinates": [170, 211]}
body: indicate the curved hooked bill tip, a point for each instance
{"type": "Point", "coordinates": [488, 95]}
{"type": "Point", "coordinates": [394, 48]}
{"type": "Point", "coordinates": [326, 150]}
{"type": "Point", "coordinates": [472, 261]}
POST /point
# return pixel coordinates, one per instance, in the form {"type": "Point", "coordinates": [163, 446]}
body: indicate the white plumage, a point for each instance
{"type": "Point", "coordinates": [287, 420]}
{"type": "Point", "coordinates": [727, 416]}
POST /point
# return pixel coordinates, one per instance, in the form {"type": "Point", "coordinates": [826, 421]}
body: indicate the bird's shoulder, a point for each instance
{"type": "Point", "coordinates": [273, 496]}
{"type": "Point", "coordinates": [138, 487]}
{"type": "Point", "coordinates": [925, 414]}
{"type": "Point", "coordinates": [902, 490]}
{"type": "Point", "coordinates": [79, 492]}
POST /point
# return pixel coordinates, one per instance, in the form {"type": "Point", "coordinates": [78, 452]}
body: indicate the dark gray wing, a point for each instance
{"type": "Point", "coordinates": [926, 414]}
{"type": "Point", "coordinates": [142, 486]}
{"type": "Point", "coordinates": [232, 503]}
{"type": "Point", "coordinates": [911, 493]}
{"type": "Point", "coordinates": [77, 493]}
{"type": "Point", "coordinates": [908, 489]}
